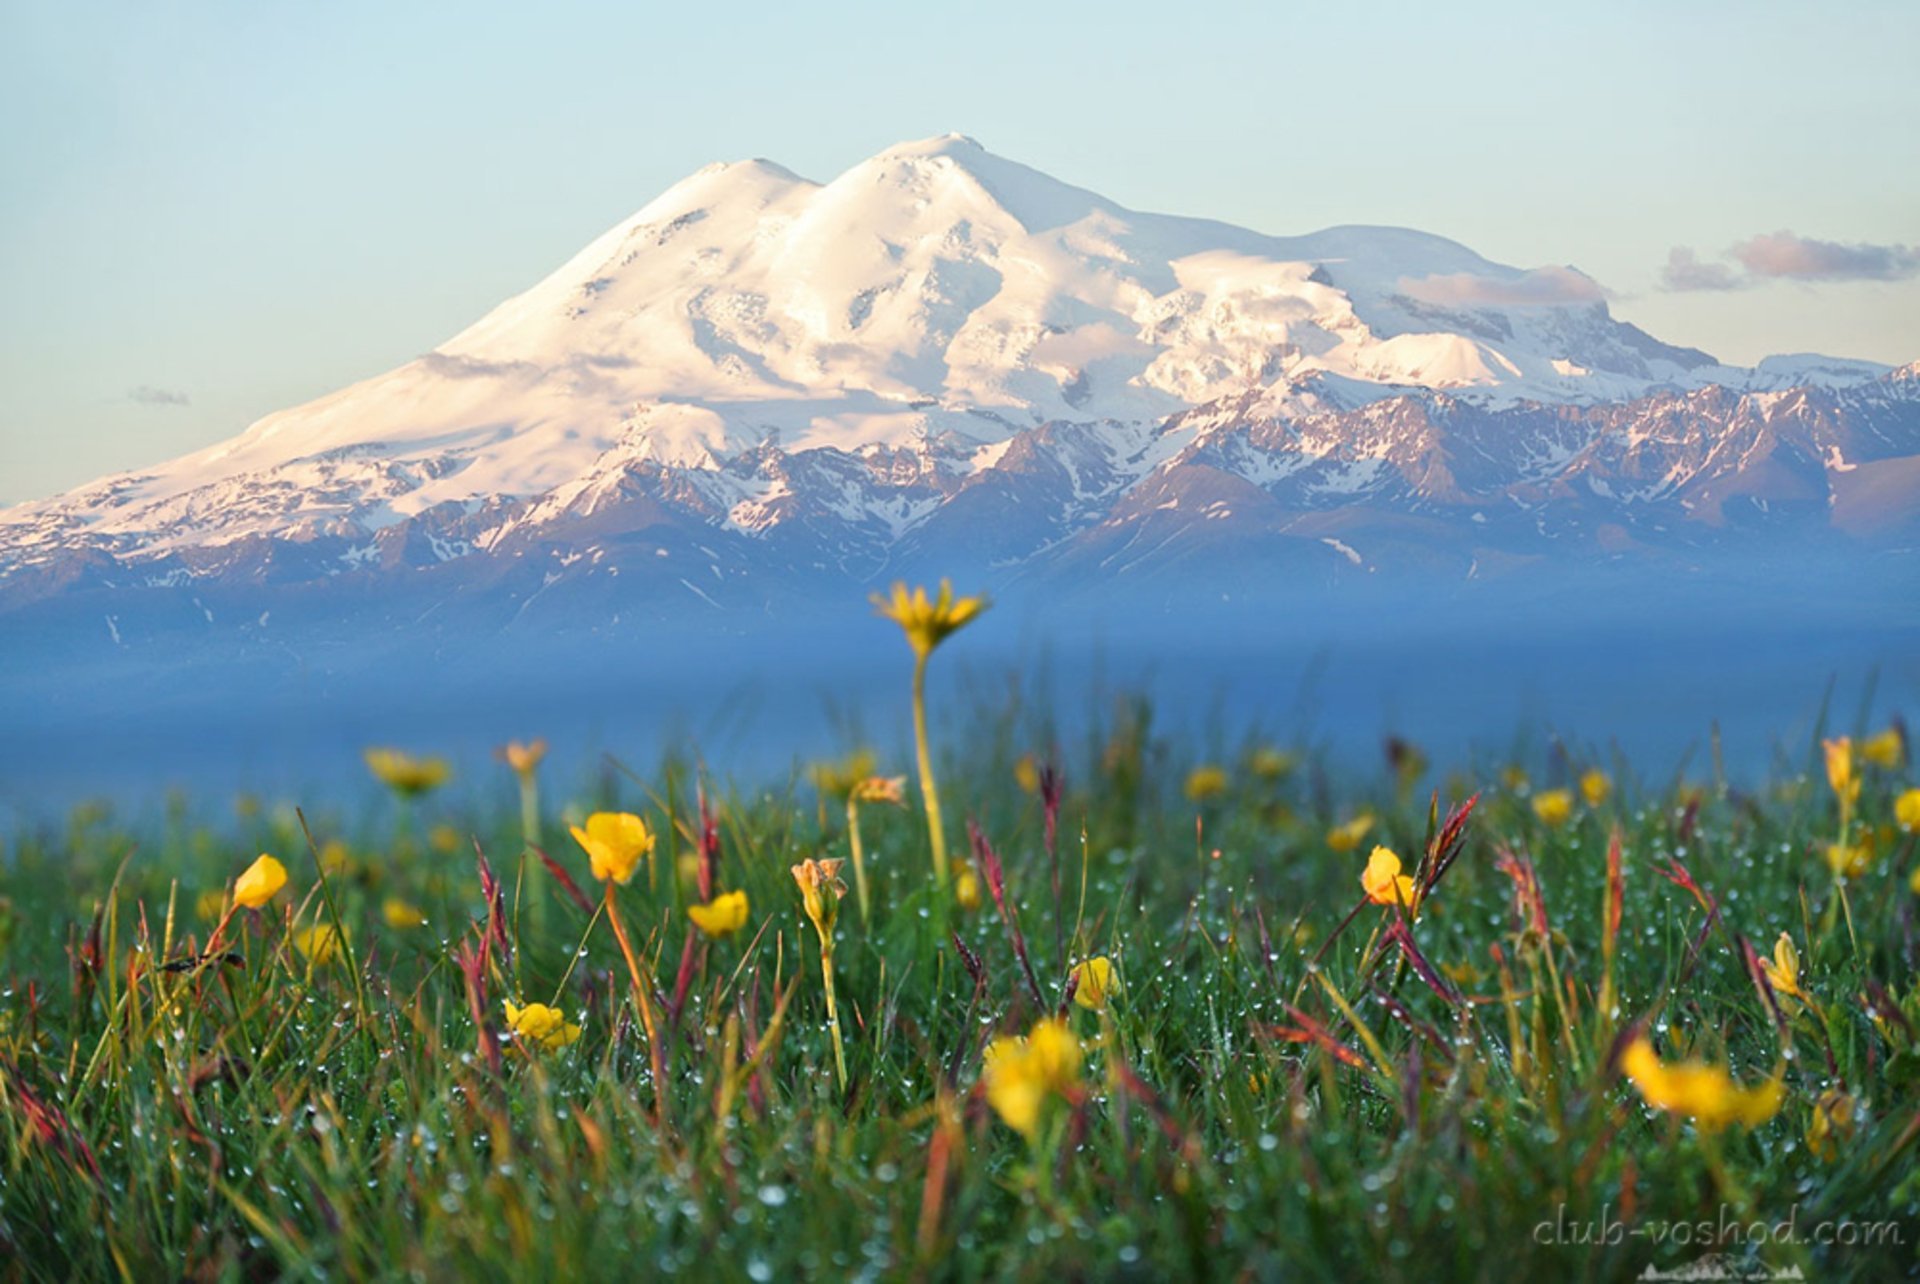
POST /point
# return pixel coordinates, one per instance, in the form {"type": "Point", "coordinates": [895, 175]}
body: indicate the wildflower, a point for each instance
{"type": "Point", "coordinates": [1269, 763]}
{"type": "Point", "coordinates": [1206, 782]}
{"type": "Point", "coordinates": [875, 789]}
{"type": "Point", "coordinates": [926, 625]}
{"type": "Point", "coordinates": [1906, 811]}
{"type": "Point", "coordinates": [336, 858]}
{"type": "Point", "coordinates": [1514, 780]}
{"type": "Point", "coordinates": [1703, 1093]}
{"type": "Point", "coordinates": [615, 842]}
{"type": "Point", "coordinates": [444, 839]}
{"type": "Point", "coordinates": [1913, 882]}
{"type": "Point", "coordinates": [966, 888]}
{"type": "Point", "coordinates": [1831, 1125]}
{"type": "Point", "coordinates": [524, 758]}
{"type": "Point", "coordinates": [263, 879]}
{"type": "Point", "coordinates": [1382, 880]}
{"type": "Point", "coordinates": [1595, 787]}
{"type": "Point", "coordinates": [209, 905]}
{"type": "Point", "coordinates": [1553, 806]}
{"type": "Point", "coordinates": [1026, 774]}
{"type": "Point", "coordinates": [1094, 983]}
{"type": "Point", "coordinates": [543, 1027]}
{"type": "Point", "coordinates": [881, 789]}
{"type": "Point", "coordinates": [1022, 1074]}
{"type": "Point", "coordinates": [1842, 775]}
{"type": "Point", "coordinates": [820, 893]}
{"type": "Point", "coordinates": [1346, 837]}
{"type": "Point", "coordinates": [319, 943]}
{"type": "Point", "coordinates": [1884, 750]}
{"type": "Point", "coordinates": [1783, 970]}
{"type": "Point", "coordinates": [405, 774]}
{"type": "Point", "coordinates": [400, 914]}
{"type": "Point", "coordinates": [722, 916]}
{"type": "Point", "coordinates": [1849, 860]}
{"type": "Point", "coordinates": [838, 778]}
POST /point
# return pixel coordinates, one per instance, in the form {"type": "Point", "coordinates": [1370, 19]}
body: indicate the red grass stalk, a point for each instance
{"type": "Point", "coordinates": [989, 861]}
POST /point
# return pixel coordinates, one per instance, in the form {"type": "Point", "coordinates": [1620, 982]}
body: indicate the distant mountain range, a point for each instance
{"type": "Point", "coordinates": [760, 388]}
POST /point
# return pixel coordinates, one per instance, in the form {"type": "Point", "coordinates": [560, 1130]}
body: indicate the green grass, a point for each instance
{"type": "Point", "coordinates": [263, 1116]}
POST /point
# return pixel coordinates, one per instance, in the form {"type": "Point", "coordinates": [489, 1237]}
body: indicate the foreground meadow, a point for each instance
{"type": "Point", "coordinates": [1118, 1013]}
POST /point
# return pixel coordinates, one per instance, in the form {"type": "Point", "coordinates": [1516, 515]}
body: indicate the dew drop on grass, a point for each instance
{"type": "Point", "coordinates": [773, 1196]}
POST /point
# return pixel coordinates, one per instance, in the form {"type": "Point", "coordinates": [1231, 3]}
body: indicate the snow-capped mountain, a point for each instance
{"type": "Point", "coordinates": [944, 360]}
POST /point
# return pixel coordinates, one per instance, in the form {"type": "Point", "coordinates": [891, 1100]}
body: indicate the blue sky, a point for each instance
{"type": "Point", "coordinates": [211, 211]}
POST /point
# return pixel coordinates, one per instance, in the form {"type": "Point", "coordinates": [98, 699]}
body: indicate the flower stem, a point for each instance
{"type": "Point", "coordinates": [859, 856]}
{"type": "Point", "coordinates": [930, 792]}
{"type": "Point", "coordinates": [833, 1015]}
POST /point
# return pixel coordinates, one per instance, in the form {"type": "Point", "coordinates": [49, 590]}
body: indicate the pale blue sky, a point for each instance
{"type": "Point", "coordinates": [241, 206]}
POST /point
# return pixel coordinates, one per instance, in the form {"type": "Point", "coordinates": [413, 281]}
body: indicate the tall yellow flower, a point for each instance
{"type": "Point", "coordinates": [319, 943]}
{"type": "Point", "coordinates": [820, 893]}
{"type": "Point", "coordinates": [540, 1026]}
{"type": "Point", "coordinates": [1345, 837]}
{"type": "Point", "coordinates": [722, 916]}
{"type": "Point", "coordinates": [1554, 807]}
{"type": "Point", "coordinates": [1783, 971]}
{"type": "Point", "coordinates": [1831, 1126]}
{"type": "Point", "coordinates": [1206, 782]}
{"type": "Point", "coordinates": [1094, 983]}
{"type": "Point", "coordinates": [615, 843]}
{"type": "Point", "coordinates": [1906, 811]}
{"type": "Point", "coordinates": [1842, 772]}
{"type": "Point", "coordinates": [1703, 1093]}
{"type": "Point", "coordinates": [405, 774]}
{"type": "Point", "coordinates": [1885, 749]}
{"type": "Point", "coordinates": [926, 624]}
{"type": "Point", "coordinates": [262, 881]}
{"type": "Point", "coordinates": [1595, 787]}
{"type": "Point", "coordinates": [524, 757]}
{"type": "Point", "coordinates": [1021, 1075]}
{"type": "Point", "coordinates": [1270, 763]}
{"type": "Point", "coordinates": [839, 777]}
{"type": "Point", "coordinates": [1382, 880]}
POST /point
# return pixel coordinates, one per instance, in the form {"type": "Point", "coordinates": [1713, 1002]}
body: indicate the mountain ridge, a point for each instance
{"type": "Point", "coordinates": [945, 358]}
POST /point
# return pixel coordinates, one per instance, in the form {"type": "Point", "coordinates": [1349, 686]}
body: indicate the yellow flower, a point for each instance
{"type": "Point", "coordinates": [615, 843]}
{"type": "Point", "coordinates": [1382, 880]}
{"type": "Point", "coordinates": [722, 916]}
{"type": "Point", "coordinates": [1553, 806]}
{"type": "Point", "coordinates": [1913, 883]}
{"type": "Point", "coordinates": [1270, 763]}
{"type": "Point", "coordinates": [839, 778]}
{"type": "Point", "coordinates": [1022, 1074]}
{"type": "Point", "coordinates": [1831, 1125]}
{"type": "Point", "coordinates": [881, 789]}
{"type": "Point", "coordinates": [399, 914]}
{"type": "Point", "coordinates": [1884, 750]}
{"type": "Point", "coordinates": [1703, 1093]}
{"type": "Point", "coordinates": [1841, 773]}
{"type": "Point", "coordinates": [820, 891]}
{"type": "Point", "coordinates": [336, 858]}
{"type": "Point", "coordinates": [928, 623]}
{"type": "Point", "coordinates": [1095, 983]}
{"type": "Point", "coordinates": [1206, 782]}
{"type": "Point", "coordinates": [1906, 810]}
{"type": "Point", "coordinates": [210, 905]}
{"type": "Point", "coordinates": [966, 888]}
{"type": "Point", "coordinates": [524, 758]}
{"type": "Point", "coordinates": [405, 774]}
{"type": "Point", "coordinates": [1595, 787]}
{"type": "Point", "coordinates": [265, 877]}
{"type": "Point", "coordinates": [1026, 774]}
{"type": "Point", "coordinates": [1514, 779]}
{"type": "Point", "coordinates": [1344, 838]}
{"type": "Point", "coordinates": [319, 943]}
{"type": "Point", "coordinates": [444, 839]}
{"type": "Point", "coordinates": [1849, 860]}
{"type": "Point", "coordinates": [1783, 969]}
{"type": "Point", "coordinates": [541, 1026]}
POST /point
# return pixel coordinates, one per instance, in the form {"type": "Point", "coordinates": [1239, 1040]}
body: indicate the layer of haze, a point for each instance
{"type": "Point", "coordinates": [212, 211]}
